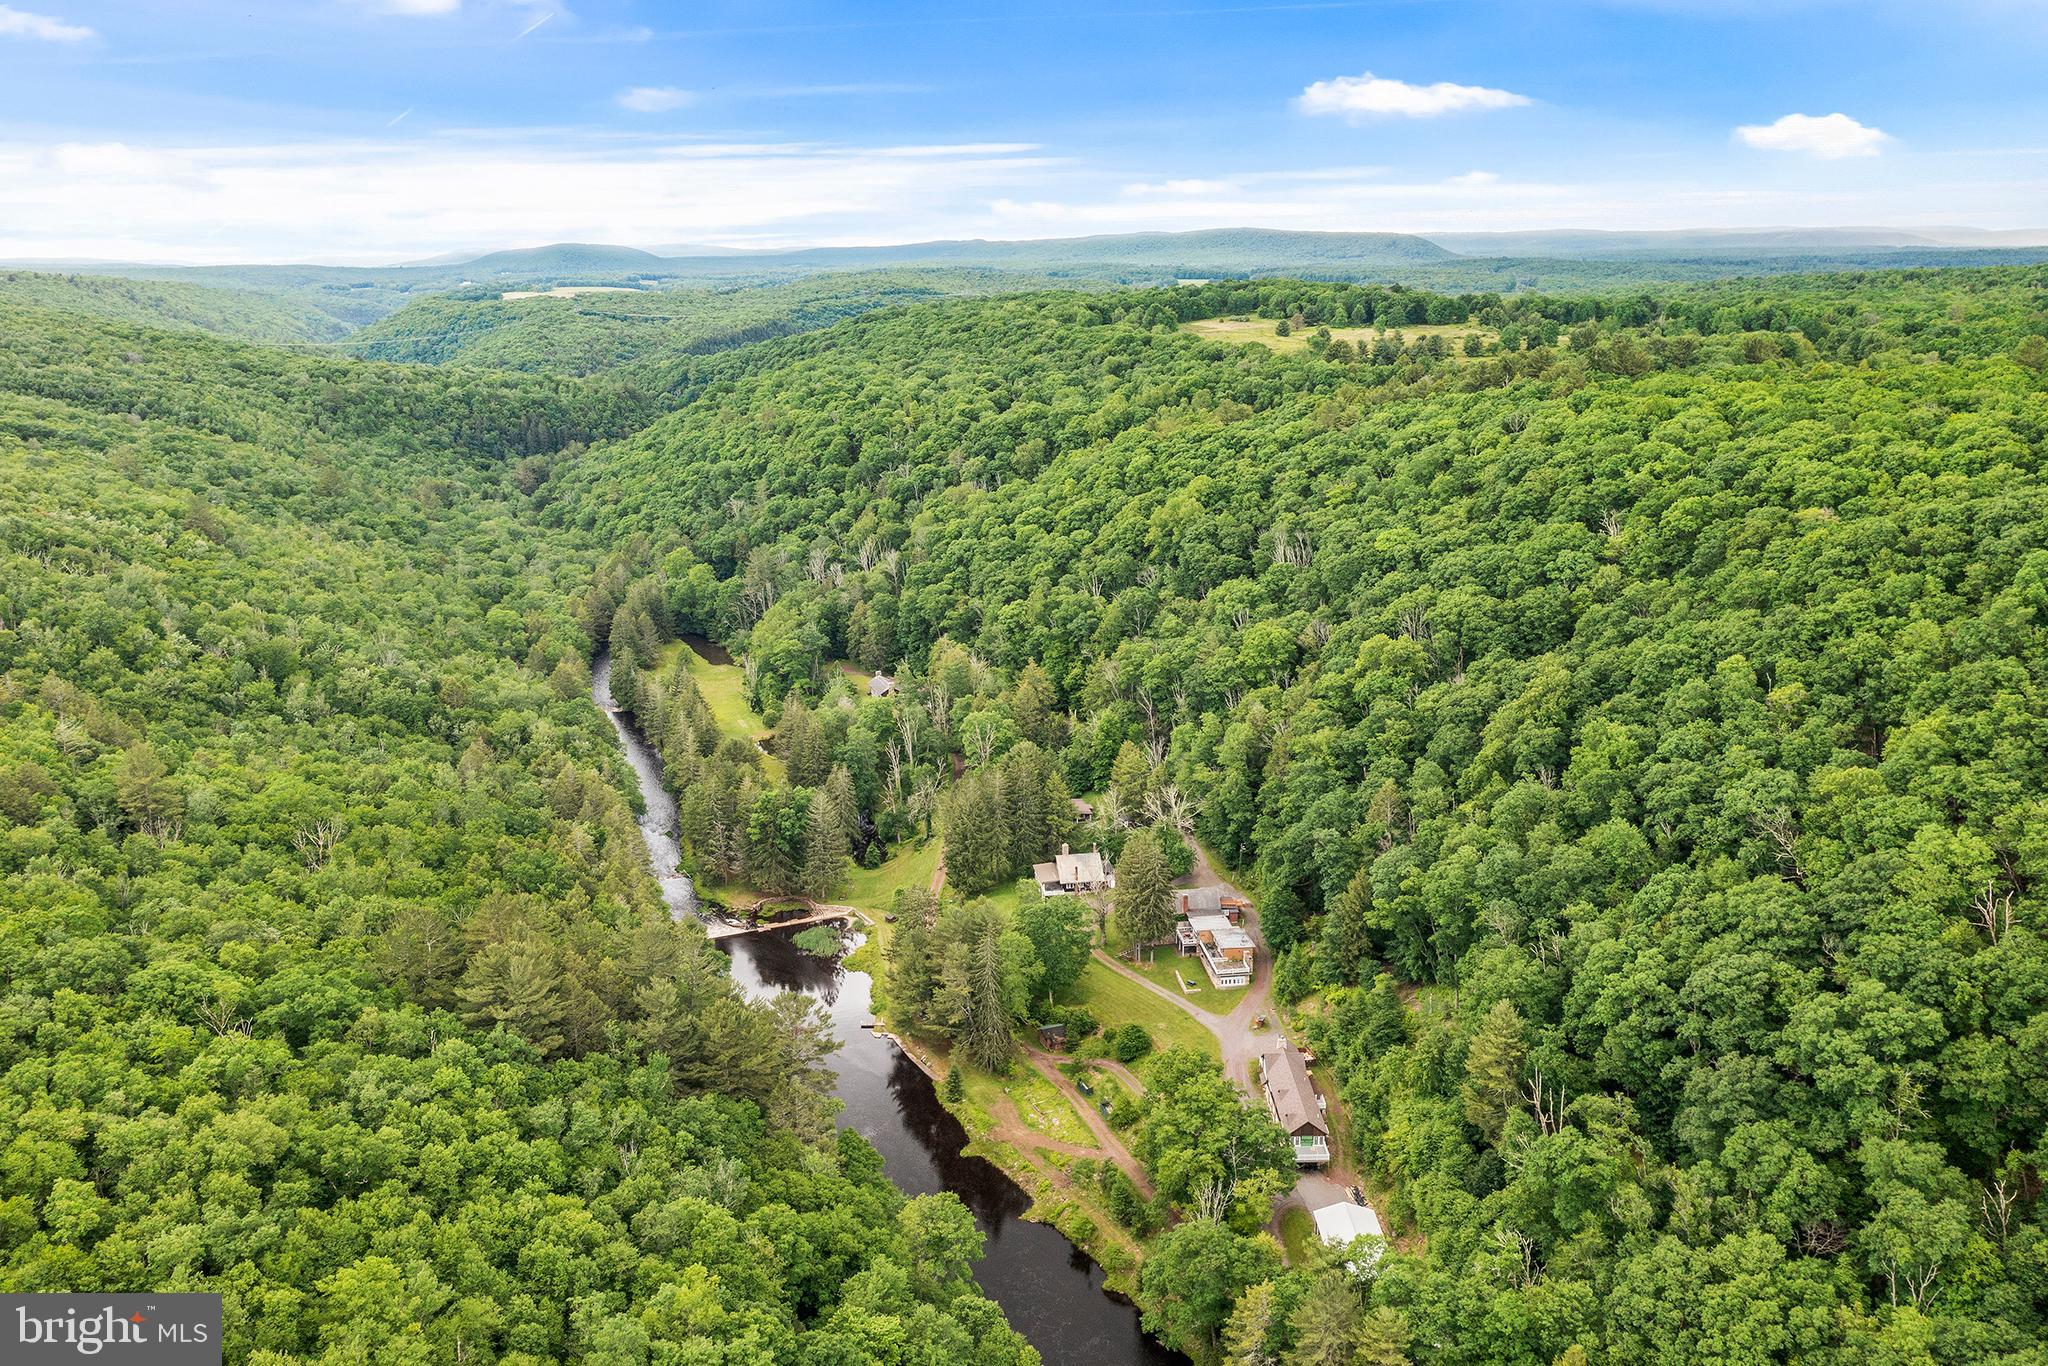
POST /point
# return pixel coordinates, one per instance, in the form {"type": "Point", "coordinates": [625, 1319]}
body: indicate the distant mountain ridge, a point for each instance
{"type": "Point", "coordinates": [321, 303]}
{"type": "Point", "coordinates": [1231, 249]}
{"type": "Point", "coordinates": [1589, 242]}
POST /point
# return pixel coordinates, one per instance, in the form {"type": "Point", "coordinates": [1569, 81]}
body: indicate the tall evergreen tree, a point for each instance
{"type": "Point", "coordinates": [984, 1028]}
{"type": "Point", "coordinates": [839, 790]}
{"type": "Point", "coordinates": [1144, 900]}
{"type": "Point", "coordinates": [1493, 1069]}
{"type": "Point", "coordinates": [824, 848]}
{"type": "Point", "coordinates": [978, 842]}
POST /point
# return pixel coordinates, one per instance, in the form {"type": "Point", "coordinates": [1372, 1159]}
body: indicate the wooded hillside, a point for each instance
{"type": "Point", "coordinates": [1635, 727]}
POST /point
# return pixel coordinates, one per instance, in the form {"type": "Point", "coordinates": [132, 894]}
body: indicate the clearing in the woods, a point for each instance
{"type": "Point", "coordinates": [1262, 331]}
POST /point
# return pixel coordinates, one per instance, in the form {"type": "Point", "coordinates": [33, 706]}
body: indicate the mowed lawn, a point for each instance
{"type": "Point", "coordinates": [910, 867]}
{"type": "Point", "coordinates": [1015, 896]}
{"type": "Point", "coordinates": [1115, 1000]}
{"type": "Point", "coordinates": [1298, 1236]}
{"type": "Point", "coordinates": [725, 691]}
{"type": "Point", "coordinates": [1165, 962]}
{"type": "Point", "coordinates": [1261, 330]}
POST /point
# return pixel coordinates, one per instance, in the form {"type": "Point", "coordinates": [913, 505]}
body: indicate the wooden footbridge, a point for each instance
{"type": "Point", "coordinates": [817, 913]}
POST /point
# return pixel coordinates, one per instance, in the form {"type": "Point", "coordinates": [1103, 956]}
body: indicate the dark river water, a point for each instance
{"type": "Point", "coordinates": [1050, 1290]}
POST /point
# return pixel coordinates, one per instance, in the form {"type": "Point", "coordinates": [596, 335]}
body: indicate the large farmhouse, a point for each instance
{"type": "Point", "coordinates": [1069, 873]}
{"type": "Point", "coordinates": [1296, 1107]}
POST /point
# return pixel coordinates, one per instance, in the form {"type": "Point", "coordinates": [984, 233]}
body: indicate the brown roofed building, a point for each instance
{"type": "Point", "coordinates": [1292, 1099]}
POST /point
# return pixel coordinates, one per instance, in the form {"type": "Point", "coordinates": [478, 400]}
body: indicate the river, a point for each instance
{"type": "Point", "coordinates": [1050, 1290]}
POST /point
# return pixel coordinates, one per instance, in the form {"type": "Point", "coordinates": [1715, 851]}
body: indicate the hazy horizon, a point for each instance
{"type": "Point", "coordinates": [1953, 236]}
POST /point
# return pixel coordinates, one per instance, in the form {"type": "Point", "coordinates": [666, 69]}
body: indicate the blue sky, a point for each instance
{"type": "Point", "coordinates": [356, 130]}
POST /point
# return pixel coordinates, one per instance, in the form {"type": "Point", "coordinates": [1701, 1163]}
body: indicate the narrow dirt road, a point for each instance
{"type": "Point", "coordinates": [1106, 1139]}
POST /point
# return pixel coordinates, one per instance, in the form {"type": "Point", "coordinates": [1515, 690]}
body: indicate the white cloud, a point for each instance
{"type": "Point", "coordinates": [1830, 135]}
{"type": "Point", "coordinates": [1381, 96]}
{"type": "Point", "coordinates": [386, 198]}
{"type": "Point", "coordinates": [1473, 179]}
{"type": "Point", "coordinates": [21, 24]}
{"type": "Point", "coordinates": [383, 200]}
{"type": "Point", "coordinates": [417, 7]}
{"type": "Point", "coordinates": [1181, 187]}
{"type": "Point", "coordinates": [655, 99]}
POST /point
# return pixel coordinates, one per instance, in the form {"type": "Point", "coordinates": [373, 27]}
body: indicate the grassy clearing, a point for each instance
{"type": "Point", "coordinates": [1324, 1075]}
{"type": "Point", "coordinates": [1013, 897]}
{"type": "Point", "coordinates": [1116, 1000]}
{"type": "Point", "coordinates": [1298, 1235]}
{"type": "Point", "coordinates": [1260, 330]}
{"type": "Point", "coordinates": [568, 291]}
{"type": "Point", "coordinates": [1039, 1103]}
{"type": "Point", "coordinates": [910, 868]}
{"type": "Point", "coordinates": [725, 691]}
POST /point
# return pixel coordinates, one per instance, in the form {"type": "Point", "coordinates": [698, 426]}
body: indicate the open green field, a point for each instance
{"type": "Point", "coordinates": [1260, 330]}
{"type": "Point", "coordinates": [1116, 1000]}
{"type": "Point", "coordinates": [910, 867]}
{"type": "Point", "coordinates": [725, 691]}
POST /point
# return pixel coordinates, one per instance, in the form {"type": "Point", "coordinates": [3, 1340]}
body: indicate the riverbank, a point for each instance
{"type": "Point", "coordinates": [1051, 1286]}
{"type": "Point", "coordinates": [1029, 1127]}
{"type": "Point", "coordinates": [1040, 1157]}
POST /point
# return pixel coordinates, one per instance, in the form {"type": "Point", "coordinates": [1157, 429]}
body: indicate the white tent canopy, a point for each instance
{"type": "Point", "coordinates": [1338, 1224]}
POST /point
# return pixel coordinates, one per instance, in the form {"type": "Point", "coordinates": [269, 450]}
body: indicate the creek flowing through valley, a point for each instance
{"type": "Point", "coordinates": [1050, 1290]}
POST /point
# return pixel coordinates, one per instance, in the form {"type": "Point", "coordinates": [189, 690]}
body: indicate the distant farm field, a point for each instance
{"type": "Point", "coordinates": [567, 291]}
{"type": "Point", "coordinates": [1261, 330]}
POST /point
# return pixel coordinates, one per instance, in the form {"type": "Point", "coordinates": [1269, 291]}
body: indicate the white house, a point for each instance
{"type": "Point", "coordinates": [1226, 951]}
{"type": "Point", "coordinates": [1337, 1225]}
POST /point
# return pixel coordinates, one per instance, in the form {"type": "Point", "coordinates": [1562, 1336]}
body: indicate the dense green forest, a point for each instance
{"type": "Point", "coordinates": [607, 331]}
{"type": "Point", "coordinates": [1628, 712]}
{"type": "Point", "coordinates": [331, 974]}
{"type": "Point", "coordinates": [245, 314]}
{"type": "Point", "coordinates": [1631, 721]}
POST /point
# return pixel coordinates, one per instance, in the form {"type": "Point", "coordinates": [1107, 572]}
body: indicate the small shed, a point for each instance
{"type": "Point", "coordinates": [1052, 1037]}
{"type": "Point", "coordinates": [881, 685]}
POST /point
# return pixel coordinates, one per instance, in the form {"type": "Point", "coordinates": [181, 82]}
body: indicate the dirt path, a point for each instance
{"type": "Point", "coordinates": [1106, 1140]}
{"type": "Point", "coordinates": [1121, 1073]}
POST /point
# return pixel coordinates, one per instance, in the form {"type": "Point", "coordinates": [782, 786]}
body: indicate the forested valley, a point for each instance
{"type": "Point", "coordinates": [1629, 717]}
{"type": "Point", "coordinates": [335, 979]}
{"type": "Point", "coordinates": [1628, 709]}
